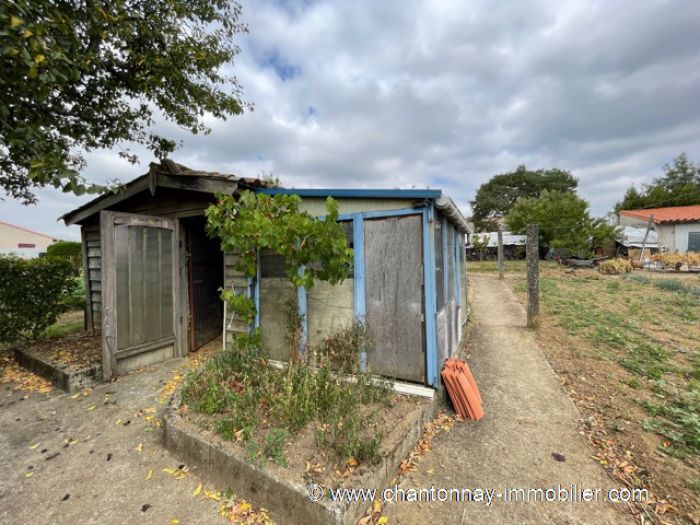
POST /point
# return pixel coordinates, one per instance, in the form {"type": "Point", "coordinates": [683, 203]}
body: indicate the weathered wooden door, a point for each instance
{"type": "Point", "coordinates": [139, 284]}
{"type": "Point", "coordinates": [394, 296]}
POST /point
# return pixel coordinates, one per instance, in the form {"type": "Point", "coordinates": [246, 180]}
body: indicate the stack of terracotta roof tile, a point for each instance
{"type": "Point", "coordinates": [462, 389]}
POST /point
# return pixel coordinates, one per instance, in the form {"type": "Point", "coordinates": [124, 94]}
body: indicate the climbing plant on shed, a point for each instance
{"type": "Point", "coordinates": [313, 248]}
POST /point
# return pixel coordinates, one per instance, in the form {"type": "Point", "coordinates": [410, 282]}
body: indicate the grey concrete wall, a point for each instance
{"type": "Point", "coordinates": [329, 309]}
{"type": "Point", "coordinates": [276, 294]}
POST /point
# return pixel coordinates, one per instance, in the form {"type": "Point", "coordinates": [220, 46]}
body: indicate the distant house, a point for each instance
{"type": "Point", "coordinates": [22, 242]}
{"type": "Point", "coordinates": [677, 228]}
{"type": "Point", "coordinates": [513, 245]}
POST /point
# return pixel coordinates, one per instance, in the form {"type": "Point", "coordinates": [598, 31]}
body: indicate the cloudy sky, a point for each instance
{"type": "Point", "coordinates": [446, 94]}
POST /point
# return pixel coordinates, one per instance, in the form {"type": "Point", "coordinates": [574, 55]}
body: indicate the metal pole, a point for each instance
{"type": "Point", "coordinates": [646, 234]}
{"type": "Point", "coordinates": [500, 254]}
{"type": "Point", "coordinates": [533, 275]}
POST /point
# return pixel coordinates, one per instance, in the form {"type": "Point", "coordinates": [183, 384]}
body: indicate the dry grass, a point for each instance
{"type": "Point", "coordinates": [628, 351]}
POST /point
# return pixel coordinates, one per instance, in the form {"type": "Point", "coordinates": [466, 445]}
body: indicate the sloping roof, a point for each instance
{"type": "Point", "coordinates": [27, 230]}
{"type": "Point", "coordinates": [167, 173]}
{"type": "Point", "coordinates": [673, 214]}
{"type": "Point", "coordinates": [634, 237]}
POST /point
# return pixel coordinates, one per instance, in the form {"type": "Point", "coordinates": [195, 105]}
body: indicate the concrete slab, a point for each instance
{"type": "Point", "coordinates": [75, 461]}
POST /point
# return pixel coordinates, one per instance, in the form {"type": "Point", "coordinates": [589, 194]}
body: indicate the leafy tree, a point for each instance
{"type": "Point", "coordinates": [564, 220]}
{"type": "Point", "coordinates": [495, 198]}
{"type": "Point", "coordinates": [680, 186]}
{"type": "Point", "coordinates": [79, 75]}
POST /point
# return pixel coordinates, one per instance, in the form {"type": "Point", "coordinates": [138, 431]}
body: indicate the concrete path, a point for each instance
{"type": "Point", "coordinates": [86, 460]}
{"type": "Point", "coordinates": [529, 417]}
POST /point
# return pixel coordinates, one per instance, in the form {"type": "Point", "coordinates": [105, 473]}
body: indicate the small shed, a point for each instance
{"type": "Point", "coordinates": [153, 276]}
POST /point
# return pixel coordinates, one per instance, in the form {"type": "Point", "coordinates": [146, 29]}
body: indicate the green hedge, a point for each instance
{"type": "Point", "coordinates": [33, 293]}
{"type": "Point", "coordinates": [63, 249]}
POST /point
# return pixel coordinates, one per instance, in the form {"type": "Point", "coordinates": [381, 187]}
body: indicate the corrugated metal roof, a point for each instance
{"type": "Point", "coordinates": [673, 214]}
{"type": "Point", "coordinates": [509, 239]}
{"type": "Point", "coordinates": [634, 237]}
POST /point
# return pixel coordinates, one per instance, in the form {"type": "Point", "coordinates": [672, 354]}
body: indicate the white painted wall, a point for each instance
{"type": "Point", "coordinates": [681, 234]}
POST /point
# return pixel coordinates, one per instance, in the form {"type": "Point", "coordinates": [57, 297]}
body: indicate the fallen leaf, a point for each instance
{"type": "Point", "coordinates": [118, 422]}
{"type": "Point", "coordinates": [383, 520]}
{"type": "Point", "coordinates": [29, 474]}
{"type": "Point", "coordinates": [75, 396]}
{"type": "Point", "coordinates": [174, 521]}
{"type": "Point", "coordinates": [149, 475]}
{"type": "Point", "coordinates": [353, 462]}
{"type": "Point", "coordinates": [197, 491]}
{"type": "Point", "coordinates": [139, 448]}
{"type": "Point", "coordinates": [34, 446]}
{"type": "Point", "coordinates": [93, 407]}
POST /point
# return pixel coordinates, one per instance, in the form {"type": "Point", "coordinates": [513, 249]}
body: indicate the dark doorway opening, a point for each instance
{"type": "Point", "coordinates": [205, 275]}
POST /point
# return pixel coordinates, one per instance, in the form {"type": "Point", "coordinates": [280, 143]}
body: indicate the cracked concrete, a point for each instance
{"type": "Point", "coordinates": [83, 463]}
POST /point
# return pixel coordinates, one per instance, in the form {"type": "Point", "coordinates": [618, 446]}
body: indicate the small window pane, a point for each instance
{"type": "Point", "coordinates": [144, 284]}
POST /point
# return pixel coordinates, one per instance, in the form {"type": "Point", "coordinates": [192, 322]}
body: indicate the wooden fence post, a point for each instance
{"type": "Point", "coordinates": [500, 254]}
{"type": "Point", "coordinates": [533, 275]}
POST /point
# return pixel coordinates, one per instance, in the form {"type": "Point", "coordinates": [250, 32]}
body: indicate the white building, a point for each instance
{"type": "Point", "coordinates": [22, 242]}
{"type": "Point", "coordinates": [677, 228]}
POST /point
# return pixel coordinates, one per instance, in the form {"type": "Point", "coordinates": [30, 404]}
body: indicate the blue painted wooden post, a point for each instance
{"type": "Point", "coordinates": [256, 296]}
{"type": "Point", "coordinates": [458, 268]}
{"type": "Point", "coordinates": [358, 236]}
{"type": "Point", "coordinates": [430, 300]}
{"type": "Point", "coordinates": [301, 310]}
{"type": "Point", "coordinates": [445, 266]}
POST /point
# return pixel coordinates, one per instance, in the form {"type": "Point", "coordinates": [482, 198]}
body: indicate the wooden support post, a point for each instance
{"type": "Point", "coordinates": [500, 254]}
{"type": "Point", "coordinates": [533, 275]}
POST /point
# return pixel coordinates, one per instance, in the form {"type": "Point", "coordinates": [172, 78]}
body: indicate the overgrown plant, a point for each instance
{"type": "Point", "coordinates": [256, 403]}
{"type": "Point", "coordinates": [260, 405]}
{"type": "Point", "coordinates": [313, 248]}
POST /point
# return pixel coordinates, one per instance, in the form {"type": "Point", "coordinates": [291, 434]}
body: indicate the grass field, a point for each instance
{"type": "Point", "coordinates": [68, 323]}
{"type": "Point", "coordinates": [628, 351]}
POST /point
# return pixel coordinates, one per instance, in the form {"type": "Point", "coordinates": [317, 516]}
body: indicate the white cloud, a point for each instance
{"type": "Point", "coordinates": [447, 94]}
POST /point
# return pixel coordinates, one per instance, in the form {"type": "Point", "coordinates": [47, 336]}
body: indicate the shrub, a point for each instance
{"type": "Point", "coordinates": [64, 249]}
{"type": "Point", "coordinates": [615, 266]}
{"type": "Point", "coordinates": [68, 250]}
{"type": "Point", "coordinates": [33, 293]}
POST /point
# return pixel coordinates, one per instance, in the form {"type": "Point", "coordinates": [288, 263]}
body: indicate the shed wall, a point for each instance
{"type": "Point", "coordinates": [681, 234]}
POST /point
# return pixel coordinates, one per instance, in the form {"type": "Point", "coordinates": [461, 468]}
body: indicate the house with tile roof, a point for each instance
{"type": "Point", "coordinates": [677, 228]}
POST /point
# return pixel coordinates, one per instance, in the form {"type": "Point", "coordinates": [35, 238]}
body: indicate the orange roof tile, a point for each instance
{"type": "Point", "coordinates": [673, 214]}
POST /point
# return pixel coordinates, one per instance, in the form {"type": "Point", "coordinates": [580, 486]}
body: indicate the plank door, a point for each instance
{"type": "Point", "coordinates": [394, 296]}
{"type": "Point", "coordinates": [139, 281]}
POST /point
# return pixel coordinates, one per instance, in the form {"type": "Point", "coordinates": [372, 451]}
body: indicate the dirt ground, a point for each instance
{"type": "Point", "coordinates": [80, 350]}
{"type": "Point", "coordinates": [589, 323]}
{"type": "Point", "coordinates": [529, 438]}
{"type": "Point", "coordinates": [306, 461]}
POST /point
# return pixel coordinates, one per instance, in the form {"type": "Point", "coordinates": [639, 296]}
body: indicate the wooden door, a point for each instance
{"type": "Point", "coordinates": [394, 296]}
{"type": "Point", "coordinates": [139, 284]}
